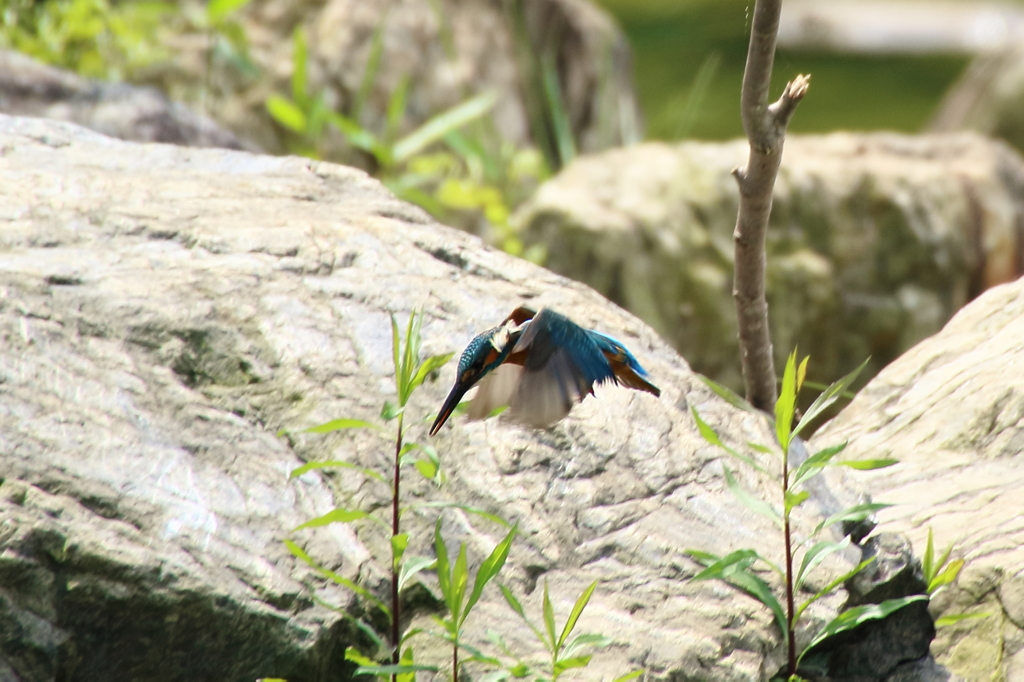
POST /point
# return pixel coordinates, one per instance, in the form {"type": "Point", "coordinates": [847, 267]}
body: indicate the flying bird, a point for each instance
{"type": "Point", "coordinates": [540, 364]}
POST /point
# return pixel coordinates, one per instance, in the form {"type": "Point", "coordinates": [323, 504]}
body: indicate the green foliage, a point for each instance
{"type": "Point", "coordinates": [93, 37]}
{"type": "Point", "coordinates": [453, 573]}
{"type": "Point", "coordinates": [116, 41]}
{"type": "Point", "coordinates": [564, 654]}
{"type": "Point", "coordinates": [453, 579]}
{"type": "Point", "coordinates": [471, 173]}
{"type": "Point", "coordinates": [410, 373]}
{"type": "Point", "coordinates": [939, 573]}
{"type": "Point", "coordinates": [739, 568]}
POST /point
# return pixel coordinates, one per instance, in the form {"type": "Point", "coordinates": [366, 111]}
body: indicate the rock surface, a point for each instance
{"type": "Point", "coordinates": [128, 112]}
{"type": "Point", "coordinates": [988, 98]}
{"type": "Point", "coordinates": [164, 311]}
{"type": "Point", "coordinates": [952, 411]}
{"type": "Point", "coordinates": [875, 241]}
{"type": "Point", "coordinates": [446, 50]}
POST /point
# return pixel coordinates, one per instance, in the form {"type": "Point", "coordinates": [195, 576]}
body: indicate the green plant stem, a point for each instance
{"type": "Point", "coordinates": [395, 642]}
{"type": "Point", "coordinates": [789, 566]}
{"type": "Point", "coordinates": [455, 661]}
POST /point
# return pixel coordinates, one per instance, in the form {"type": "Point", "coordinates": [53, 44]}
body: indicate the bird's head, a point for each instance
{"type": "Point", "coordinates": [485, 352]}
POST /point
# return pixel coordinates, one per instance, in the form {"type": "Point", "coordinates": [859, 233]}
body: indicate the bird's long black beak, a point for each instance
{"type": "Point", "coordinates": [450, 403]}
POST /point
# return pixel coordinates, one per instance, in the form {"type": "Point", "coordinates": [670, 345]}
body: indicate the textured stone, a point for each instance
{"type": "Point", "coordinates": [875, 241]}
{"type": "Point", "coordinates": [128, 112]}
{"type": "Point", "coordinates": [165, 311]}
{"type": "Point", "coordinates": [952, 411]}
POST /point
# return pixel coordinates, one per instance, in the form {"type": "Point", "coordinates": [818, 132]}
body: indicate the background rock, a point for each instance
{"type": "Point", "coordinates": [448, 50]}
{"type": "Point", "coordinates": [952, 411]}
{"type": "Point", "coordinates": [875, 241]}
{"type": "Point", "coordinates": [164, 311]}
{"type": "Point", "coordinates": [128, 112]}
{"type": "Point", "coordinates": [988, 98]}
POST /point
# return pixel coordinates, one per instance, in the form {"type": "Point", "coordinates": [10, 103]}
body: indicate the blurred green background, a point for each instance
{"type": "Point", "coordinates": [689, 57]}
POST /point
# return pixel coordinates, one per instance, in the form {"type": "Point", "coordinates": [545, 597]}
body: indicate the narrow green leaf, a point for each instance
{"type": "Point", "coordinates": [794, 500]}
{"type": "Point", "coordinates": [412, 566]}
{"type": "Point", "coordinates": [815, 555]}
{"type": "Point", "coordinates": [460, 580]}
{"type": "Point", "coordinates": [855, 513]}
{"type": "Point", "coordinates": [464, 507]}
{"type": "Point", "coordinates": [410, 357]}
{"type": "Point", "coordinates": [390, 411]}
{"type": "Point", "coordinates": [357, 657]}
{"type": "Point", "coordinates": [339, 515]}
{"type": "Point", "coordinates": [489, 569]}
{"type": "Point", "coordinates": [577, 611]}
{"type": "Point", "coordinates": [549, 620]}
{"type": "Point", "coordinates": [396, 106]}
{"type": "Point", "coordinates": [358, 136]}
{"type": "Point", "coordinates": [512, 601]}
{"type": "Point", "coordinates": [300, 59]}
{"type": "Point", "coordinates": [868, 464]}
{"type": "Point", "coordinates": [711, 437]}
{"type": "Point", "coordinates": [937, 566]}
{"type": "Point", "coordinates": [761, 448]}
{"type": "Point", "coordinates": [755, 505]}
{"type": "Point", "coordinates": [396, 351]}
{"type": "Point", "coordinates": [444, 574]}
{"type": "Point", "coordinates": [815, 463]}
{"type": "Point", "coordinates": [218, 10]}
{"type": "Point", "coordinates": [826, 398]}
{"type": "Point", "coordinates": [720, 566]}
{"type": "Point", "coordinates": [926, 561]}
{"type": "Point", "coordinates": [427, 469]}
{"type": "Point", "coordinates": [801, 373]}
{"type": "Point", "coordinates": [757, 588]}
{"type": "Point", "coordinates": [340, 425]}
{"type": "Point", "coordinates": [728, 395]}
{"type": "Point", "coordinates": [563, 664]}
{"type": "Point", "coordinates": [786, 404]}
{"type": "Point", "coordinates": [335, 463]}
{"type": "Point", "coordinates": [945, 577]}
{"type": "Point", "coordinates": [285, 112]}
{"type": "Point", "coordinates": [514, 604]}
{"type": "Point", "coordinates": [438, 126]}
{"type": "Point", "coordinates": [429, 365]}
{"type": "Point", "coordinates": [584, 640]}
{"type": "Point", "coordinates": [360, 625]}
{"type": "Point", "coordinates": [399, 543]}
{"type": "Point", "coordinates": [408, 662]}
{"type": "Point", "coordinates": [957, 617]}
{"type": "Point", "coordinates": [847, 620]}
{"type": "Point", "coordinates": [388, 670]}
{"type": "Point", "coordinates": [298, 553]}
{"type": "Point", "coordinates": [630, 676]}
{"type": "Point", "coordinates": [831, 586]}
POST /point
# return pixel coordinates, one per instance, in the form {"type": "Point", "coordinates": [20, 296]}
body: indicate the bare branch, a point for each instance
{"type": "Point", "coordinates": [765, 126]}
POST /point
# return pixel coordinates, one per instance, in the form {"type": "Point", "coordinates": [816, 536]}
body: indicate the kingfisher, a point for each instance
{"type": "Point", "coordinates": [540, 364]}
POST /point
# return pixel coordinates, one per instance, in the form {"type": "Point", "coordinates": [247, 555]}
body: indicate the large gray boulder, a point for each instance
{"type": "Point", "coordinates": [875, 240]}
{"type": "Point", "coordinates": [165, 311]}
{"type": "Point", "coordinates": [952, 411]}
{"type": "Point", "coordinates": [129, 112]}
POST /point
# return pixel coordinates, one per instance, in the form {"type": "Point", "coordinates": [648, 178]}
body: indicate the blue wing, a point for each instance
{"type": "Point", "coordinates": [554, 365]}
{"type": "Point", "coordinates": [561, 363]}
